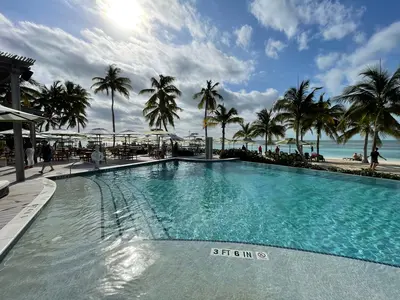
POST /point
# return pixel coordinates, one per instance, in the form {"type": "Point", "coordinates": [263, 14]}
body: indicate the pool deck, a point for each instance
{"type": "Point", "coordinates": [284, 274]}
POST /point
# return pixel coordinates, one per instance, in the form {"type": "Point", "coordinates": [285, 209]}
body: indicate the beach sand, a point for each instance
{"type": "Point", "coordinates": [392, 167]}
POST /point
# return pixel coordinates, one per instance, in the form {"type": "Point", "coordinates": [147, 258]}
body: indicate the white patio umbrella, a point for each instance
{"type": "Point", "coordinates": [63, 132]}
{"type": "Point", "coordinates": [176, 138]}
{"type": "Point", "coordinates": [290, 142]}
{"type": "Point", "coordinates": [128, 133]}
{"type": "Point", "coordinates": [12, 115]}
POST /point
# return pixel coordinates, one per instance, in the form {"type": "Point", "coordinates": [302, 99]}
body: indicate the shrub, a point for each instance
{"type": "Point", "coordinates": [294, 160]}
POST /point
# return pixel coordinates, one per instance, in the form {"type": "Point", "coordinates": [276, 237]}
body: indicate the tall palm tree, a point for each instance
{"type": "Point", "coordinates": [224, 117]}
{"type": "Point", "coordinates": [113, 82]}
{"type": "Point", "coordinates": [267, 126]}
{"type": "Point", "coordinates": [76, 100]}
{"type": "Point", "coordinates": [246, 133]}
{"type": "Point", "coordinates": [326, 118]}
{"type": "Point", "coordinates": [208, 100]}
{"type": "Point", "coordinates": [377, 97]}
{"type": "Point", "coordinates": [161, 108]}
{"type": "Point", "coordinates": [295, 108]}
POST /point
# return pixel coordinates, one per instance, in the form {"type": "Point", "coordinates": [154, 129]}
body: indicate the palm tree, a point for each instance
{"type": "Point", "coordinates": [266, 125]}
{"type": "Point", "coordinates": [29, 92]}
{"type": "Point", "coordinates": [326, 118]}
{"type": "Point", "coordinates": [51, 102]}
{"type": "Point", "coordinates": [351, 127]}
{"type": "Point", "coordinates": [295, 108]}
{"type": "Point", "coordinates": [224, 117]}
{"type": "Point", "coordinates": [112, 83]}
{"type": "Point", "coordinates": [208, 100]}
{"type": "Point", "coordinates": [376, 97]}
{"type": "Point", "coordinates": [246, 133]}
{"type": "Point", "coordinates": [161, 108]}
{"type": "Point", "coordinates": [76, 100]}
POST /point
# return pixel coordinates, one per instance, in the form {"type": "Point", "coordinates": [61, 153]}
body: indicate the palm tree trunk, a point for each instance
{"type": "Point", "coordinates": [318, 137]}
{"type": "Point", "coordinates": [266, 142]}
{"type": "Point", "coordinates": [205, 119]}
{"type": "Point", "coordinates": [78, 128]}
{"type": "Point", "coordinates": [365, 158]}
{"type": "Point", "coordinates": [223, 137]}
{"type": "Point", "coordinates": [113, 116]}
{"type": "Point", "coordinates": [172, 143]}
{"type": "Point", "coordinates": [375, 133]}
{"type": "Point", "coordinates": [297, 138]}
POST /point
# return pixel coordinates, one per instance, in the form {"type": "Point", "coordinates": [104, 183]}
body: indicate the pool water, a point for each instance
{"type": "Point", "coordinates": [246, 202]}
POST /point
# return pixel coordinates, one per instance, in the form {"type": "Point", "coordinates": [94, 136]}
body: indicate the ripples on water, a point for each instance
{"type": "Point", "coordinates": [90, 241]}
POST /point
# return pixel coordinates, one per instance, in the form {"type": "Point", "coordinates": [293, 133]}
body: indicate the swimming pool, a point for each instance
{"type": "Point", "coordinates": [243, 202]}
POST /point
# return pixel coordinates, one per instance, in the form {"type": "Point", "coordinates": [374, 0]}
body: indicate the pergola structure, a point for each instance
{"type": "Point", "coordinates": [12, 68]}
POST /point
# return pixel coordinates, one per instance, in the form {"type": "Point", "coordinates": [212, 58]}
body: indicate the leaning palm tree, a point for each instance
{"type": "Point", "coordinates": [351, 127]}
{"type": "Point", "coordinates": [76, 100]}
{"type": "Point", "coordinates": [326, 118]}
{"type": "Point", "coordinates": [161, 108]}
{"type": "Point", "coordinates": [267, 126]}
{"type": "Point", "coordinates": [224, 117]}
{"type": "Point", "coordinates": [376, 97]}
{"type": "Point", "coordinates": [295, 108]}
{"type": "Point", "coordinates": [112, 83]}
{"type": "Point", "coordinates": [246, 133]}
{"type": "Point", "coordinates": [208, 99]}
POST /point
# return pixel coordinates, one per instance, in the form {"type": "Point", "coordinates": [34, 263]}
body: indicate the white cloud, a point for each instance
{"type": "Point", "coordinates": [273, 47]}
{"type": "Point", "coordinates": [62, 56]}
{"type": "Point", "coordinates": [338, 31]}
{"type": "Point", "coordinates": [325, 61]}
{"type": "Point", "coordinates": [359, 37]}
{"type": "Point", "coordinates": [345, 69]}
{"type": "Point", "coordinates": [302, 40]}
{"type": "Point", "coordinates": [226, 38]}
{"type": "Point", "coordinates": [335, 20]}
{"type": "Point", "coordinates": [243, 36]}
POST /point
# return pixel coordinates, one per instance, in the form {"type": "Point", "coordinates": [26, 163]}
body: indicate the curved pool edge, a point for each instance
{"type": "Point", "coordinates": [285, 274]}
{"type": "Point", "coordinates": [14, 229]}
{"type": "Point", "coordinates": [251, 244]}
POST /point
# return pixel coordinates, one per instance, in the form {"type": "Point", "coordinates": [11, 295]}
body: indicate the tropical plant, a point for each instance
{"type": "Point", "coordinates": [246, 133]}
{"type": "Point", "coordinates": [351, 127]}
{"type": "Point", "coordinates": [76, 101]}
{"type": "Point", "coordinates": [295, 108]}
{"type": "Point", "coordinates": [377, 98]}
{"type": "Point", "coordinates": [224, 117]}
{"type": "Point", "coordinates": [326, 119]}
{"type": "Point", "coordinates": [29, 92]}
{"type": "Point", "coordinates": [208, 100]}
{"type": "Point", "coordinates": [267, 126]}
{"type": "Point", "coordinates": [161, 108]}
{"type": "Point", "coordinates": [113, 82]}
{"type": "Point", "coordinates": [51, 102]}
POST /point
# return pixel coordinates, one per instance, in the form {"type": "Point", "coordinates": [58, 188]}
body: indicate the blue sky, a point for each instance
{"type": "Point", "coordinates": [256, 49]}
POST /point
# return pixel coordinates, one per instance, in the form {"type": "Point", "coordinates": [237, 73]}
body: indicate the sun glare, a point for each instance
{"type": "Point", "coordinates": [124, 13]}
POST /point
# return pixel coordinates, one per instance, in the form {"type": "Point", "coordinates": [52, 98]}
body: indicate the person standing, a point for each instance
{"type": "Point", "coordinates": [260, 150]}
{"type": "Point", "coordinates": [29, 152]}
{"type": "Point", "coordinates": [374, 159]}
{"type": "Point", "coordinates": [312, 149]}
{"type": "Point", "coordinates": [47, 156]}
{"type": "Point", "coordinates": [277, 150]}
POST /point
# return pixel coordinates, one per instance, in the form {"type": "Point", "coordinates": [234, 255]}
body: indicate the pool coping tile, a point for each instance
{"type": "Point", "coordinates": [14, 229]}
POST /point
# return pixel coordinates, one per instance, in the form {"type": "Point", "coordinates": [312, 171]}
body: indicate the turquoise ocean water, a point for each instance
{"type": "Point", "coordinates": [389, 149]}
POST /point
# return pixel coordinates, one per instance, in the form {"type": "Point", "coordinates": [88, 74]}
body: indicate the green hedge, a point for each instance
{"type": "Point", "coordinates": [294, 160]}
